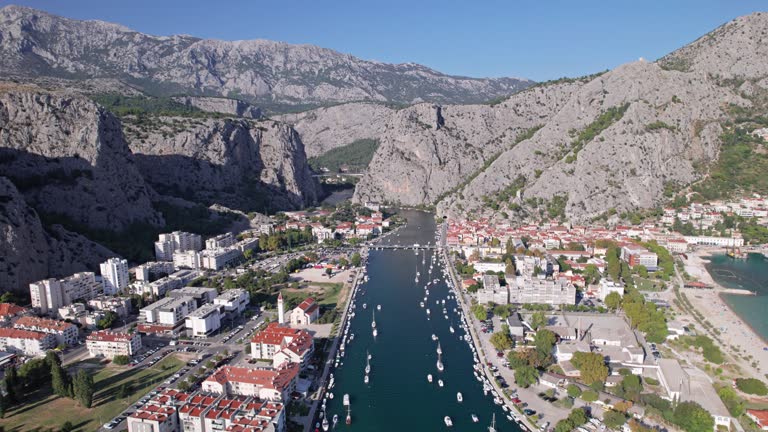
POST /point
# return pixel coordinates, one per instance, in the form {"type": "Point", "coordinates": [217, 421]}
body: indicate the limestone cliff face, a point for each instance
{"type": "Point", "coordinates": [35, 43]}
{"type": "Point", "coordinates": [243, 164]}
{"type": "Point", "coordinates": [28, 252]}
{"type": "Point", "coordinates": [68, 157]}
{"type": "Point", "coordinates": [670, 126]}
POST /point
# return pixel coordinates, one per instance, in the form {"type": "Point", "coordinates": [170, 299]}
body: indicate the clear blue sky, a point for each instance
{"type": "Point", "coordinates": [535, 39]}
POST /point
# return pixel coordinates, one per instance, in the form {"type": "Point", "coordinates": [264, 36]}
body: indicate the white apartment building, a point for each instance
{"type": "Point", "coordinates": [50, 294]}
{"type": "Point", "coordinates": [541, 291]}
{"type": "Point", "coordinates": [26, 342]}
{"type": "Point", "coordinates": [607, 286]}
{"type": "Point", "coordinates": [217, 259]}
{"type": "Point", "coordinates": [169, 311]}
{"type": "Point", "coordinates": [715, 241]}
{"type": "Point", "coordinates": [234, 300]}
{"type": "Point", "coordinates": [119, 305]}
{"type": "Point", "coordinates": [177, 241]}
{"type": "Point", "coordinates": [202, 295]}
{"type": "Point", "coordinates": [64, 332]}
{"type": "Point", "coordinates": [109, 344]}
{"type": "Point", "coordinates": [492, 291]}
{"type": "Point", "coordinates": [266, 384]}
{"type": "Point", "coordinates": [114, 275]}
{"type": "Point", "coordinates": [220, 241]}
{"type": "Point", "coordinates": [204, 320]}
{"type": "Point", "coordinates": [151, 269]}
{"type": "Point", "coordinates": [47, 295]}
{"type": "Point", "coordinates": [161, 286]}
{"type": "Point", "coordinates": [187, 259]}
{"type": "Point", "coordinates": [282, 344]}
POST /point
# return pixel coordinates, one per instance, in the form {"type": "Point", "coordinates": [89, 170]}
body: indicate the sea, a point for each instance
{"type": "Point", "coordinates": [398, 396]}
{"type": "Point", "coordinates": [750, 274]}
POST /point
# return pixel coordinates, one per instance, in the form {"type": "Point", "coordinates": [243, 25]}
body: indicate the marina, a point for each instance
{"type": "Point", "coordinates": [399, 282]}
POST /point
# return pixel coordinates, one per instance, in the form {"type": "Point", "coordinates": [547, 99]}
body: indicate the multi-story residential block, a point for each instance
{"type": "Point", "coordinates": [190, 259]}
{"type": "Point", "coordinates": [161, 286]}
{"type": "Point", "coordinates": [202, 295]}
{"type": "Point", "coordinates": [305, 313]}
{"type": "Point", "coordinates": [169, 312]}
{"type": "Point", "coordinates": [114, 275]}
{"type": "Point", "coordinates": [220, 241]}
{"type": "Point", "coordinates": [608, 286]}
{"type": "Point", "coordinates": [119, 305]}
{"type": "Point", "coordinates": [233, 300]}
{"type": "Point", "coordinates": [715, 241]}
{"type": "Point", "coordinates": [541, 291]}
{"type": "Point", "coordinates": [280, 344]}
{"type": "Point", "coordinates": [26, 342]}
{"type": "Point", "coordinates": [153, 270]}
{"type": "Point", "coordinates": [47, 295]}
{"type": "Point", "coordinates": [204, 320]}
{"type": "Point", "coordinates": [109, 344]}
{"type": "Point", "coordinates": [636, 255]}
{"type": "Point", "coordinates": [266, 384]}
{"type": "Point", "coordinates": [177, 241]}
{"type": "Point", "coordinates": [64, 332]}
{"type": "Point", "coordinates": [492, 291]}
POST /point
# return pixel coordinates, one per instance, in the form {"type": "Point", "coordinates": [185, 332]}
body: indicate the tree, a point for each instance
{"type": "Point", "coordinates": [641, 270]}
{"type": "Point", "coordinates": [11, 384]}
{"type": "Point", "coordinates": [591, 366]}
{"type": "Point", "coordinates": [67, 427]}
{"type": "Point", "coordinates": [343, 262]}
{"type": "Point", "coordinates": [589, 396]}
{"type": "Point", "coordinates": [691, 417]}
{"type": "Point", "coordinates": [60, 380]}
{"type": "Point", "coordinates": [544, 340]}
{"type": "Point", "coordinates": [510, 268]}
{"type": "Point", "coordinates": [574, 391]}
{"type": "Point", "coordinates": [248, 254]}
{"type": "Point", "coordinates": [631, 387]}
{"type": "Point", "coordinates": [538, 320]}
{"type": "Point", "coordinates": [502, 311]}
{"type": "Point", "coordinates": [517, 359]}
{"type": "Point", "coordinates": [613, 300]}
{"type": "Point", "coordinates": [591, 274]}
{"type": "Point", "coordinates": [526, 376]}
{"type": "Point", "coordinates": [83, 388]}
{"type": "Point", "coordinates": [121, 359]}
{"type": "Point", "coordinates": [731, 400]}
{"type": "Point", "coordinates": [328, 271]}
{"type": "Point", "coordinates": [614, 419]}
{"type": "Point", "coordinates": [480, 312]}
{"type": "Point", "coordinates": [752, 386]}
{"type": "Point", "coordinates": [501, 341]}
{"type": "Point", "coordinates": [107, 321]}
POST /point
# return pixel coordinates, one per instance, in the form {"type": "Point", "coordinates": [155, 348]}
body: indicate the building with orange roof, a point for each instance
{"type": "Point", "coordinates": [266, 384]}
{"type": "Point", "coordinates": [280, 344]}
{"type": "Point", "coordinates": [8, 311]}
{"type": "Point", "coordinates": [305, 313]}
{"type": "Point", "coordinates": [64, 332]}
{"type": "Point", "coordinates": [30, 343]}
{"type": "Point", "coordinates": [760, 417]}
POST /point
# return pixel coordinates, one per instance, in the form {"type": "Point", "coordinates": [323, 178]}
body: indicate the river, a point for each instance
{"type": "Point", "coordinates": [750, 274]}
{"type": "Point", "coordinates": [398, 396]}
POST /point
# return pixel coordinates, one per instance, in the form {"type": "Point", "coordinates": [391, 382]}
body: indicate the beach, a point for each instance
{"type": "Point", "coordinates": [735, 332]}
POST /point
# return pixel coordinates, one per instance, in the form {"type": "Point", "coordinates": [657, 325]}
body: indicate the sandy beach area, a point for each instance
{"type": "Point", "coordinates": [734, 331]}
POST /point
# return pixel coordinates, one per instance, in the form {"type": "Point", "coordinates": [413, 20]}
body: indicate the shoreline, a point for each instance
{"type": "Point", "coordinates": [736, 332]}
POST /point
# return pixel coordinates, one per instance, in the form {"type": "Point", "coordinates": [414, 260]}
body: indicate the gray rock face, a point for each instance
{"type": "Point", "coordinates": [227, 106]}
{"type": "Point", "coordinates": [68, 157]}
{"type": "Point", "coordinates": [670, 128]}
{"type": "Point", "coordinates": [242, 164]}
{"type": "Point", "coordinates": [33, 43]}
{"type": "Point", "coordinates": [29, 253]}
{"type": "Point", "coordinates": [737, 49]}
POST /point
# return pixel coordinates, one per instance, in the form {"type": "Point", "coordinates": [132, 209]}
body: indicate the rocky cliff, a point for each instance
{"type": "Point", "coordinates": [233, 107]}
{"type": "Point", "coordinates": [28, 252]}
{"type": "Point", "coordinates": [242, 164]}
{"type": "Point", "coordinates": [275, 74]}
{"type": "Point", "coordinates": [69, 159]}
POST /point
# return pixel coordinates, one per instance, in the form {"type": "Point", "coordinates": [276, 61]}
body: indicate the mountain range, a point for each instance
{"type": "Point", "coordinates": [108, 136]}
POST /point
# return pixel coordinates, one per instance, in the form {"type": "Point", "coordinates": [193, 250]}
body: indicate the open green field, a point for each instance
{"type": "Point", "coordinates": [648, 284]}
{"type": "Point", "coordinates": [44, 411]}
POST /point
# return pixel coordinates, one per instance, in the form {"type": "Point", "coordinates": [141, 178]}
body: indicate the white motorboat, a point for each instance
{"type": "Point", "coordinates": [421, 304]}
{"type": "Point", "coordinates": [429, 377]}
{"type": "Point", "coordinates": [346, 399]}
{"type": "Point", "coordinates": [474, 419]}
{"type": "Point", "coordinates": [365, 305]}
{"type": "Point", "coordinates": [448, 421]}
{"type": "Point", "coordinates": [440, 383]}
{"type": "Point", "coordinates": [378, 307]}
{"type": "Point", "coordinates": [330, 395]}
{"type": "Point", "coordinates": [335, 420]}
{"type": "Point", "coordinates": [373, 322]}
{"type": "Point", "coordinates": [439, 350]}
{"type": "Point", "coordinates": [366, 379]}
{"type": "Point", "coordinates": [492, 427]}
{"type": "Point", "coordinates": [375, 332]}
{"type": "Point", "coordinates": [451, 329]}
{"type": "Point", "coordinates": [428, 312]}
{"type": "Point", "coordinates": [326, 425]}
{"type": "Point", "coordinates": [434, 337]}
{"type": "Point", "coordinates": [459, 397]}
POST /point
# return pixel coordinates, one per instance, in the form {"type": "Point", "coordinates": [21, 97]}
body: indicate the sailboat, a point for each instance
{"type": "Point", "coordinates": [366, 380]}
{"type": "Point", "coordinates": [335, 420]}
{"type": "Point", "coordinates": [367, 363]}
{"type": "Point", "coordinates": [349, 416]}
{"type": "Point", "coordinates": [440, 366]}
{"type": "Point", "coordinates": [373, 323]}
{"type": "Point", "coordinates": [325, 423]}
{"type": "Point", "coordinates": [492, 427]}
{"type": "Point", "coordinates": [459, 397]}
{"type": "Point", "coordinates": [439, 350]}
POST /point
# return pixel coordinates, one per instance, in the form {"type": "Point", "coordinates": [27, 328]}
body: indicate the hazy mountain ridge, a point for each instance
{"type": "Point", "coordinates": [35, 43]}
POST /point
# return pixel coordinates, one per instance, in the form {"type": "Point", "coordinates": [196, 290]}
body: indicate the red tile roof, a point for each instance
{"type": "Point", "coordinates": [111, 336]}
{"type": "Point", "coordinates": [10, 309]}
{"type": "Point", "coordinates": [296, 340]}
{"type": "Point", "coordinates": [308, 306]}
{"type": "Point", "coordinates": [277, 379]}
{"type": "Point", "coordinates": [760, 415]}
{"type": "Point", "coordinates": [45, 323]}
{"type": "Point", "coordinates": [21, 334]}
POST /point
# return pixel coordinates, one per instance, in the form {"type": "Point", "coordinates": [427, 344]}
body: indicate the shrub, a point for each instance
{"type": "Point", "coordinates": [121, 360]}
{"type": "Point", "coordinates": [752, 386]}
{"type": "Point", "coordinates": [589, 396]}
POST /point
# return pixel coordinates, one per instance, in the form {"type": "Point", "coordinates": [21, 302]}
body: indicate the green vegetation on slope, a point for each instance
{"type": "Point", "coordinates": [354, 156]}
{"type": "Point", "coordinates": [740, 168]}
{"type": "Point", "coordinates": [122, 105]}
{"type": "Point", "coordinates": [601, 123]}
